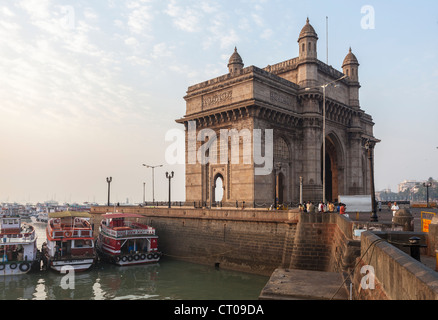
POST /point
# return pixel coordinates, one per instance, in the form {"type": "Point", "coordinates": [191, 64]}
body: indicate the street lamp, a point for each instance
{"type": "Point", "coordinates": [109, 181]}
{"type": "Point", "coordinates": [427, 185]}
{"type": "Point", "coordinates": [169, 176]}
{"type": "Point", "coordinates": [369, 146]}
{"type": "Point", "coordinates": [277, 169]}
{"type": "Point", "coordinates": [153, 167]}
{"type": "Point", "coordinates": [324, 86]}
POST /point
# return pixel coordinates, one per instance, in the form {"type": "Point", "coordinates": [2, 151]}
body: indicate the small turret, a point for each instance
{"type": "Point", "coordinates": [307, 58]}
{"type": "Point", "coordinates": [235, 64]}
{"type": "Point", "coordinates": [350, 66]}
{"type": "Point", "coordinates": [308, 42]}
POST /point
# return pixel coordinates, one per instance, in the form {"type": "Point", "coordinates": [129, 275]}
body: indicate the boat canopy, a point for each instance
{"type": "Point", "coordinates": [65, 214]}
{"type": "Point", "coordinates": [121, 215]}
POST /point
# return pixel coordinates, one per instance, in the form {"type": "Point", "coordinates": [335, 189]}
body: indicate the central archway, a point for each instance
{"type": "Point", "coordinates": [333, 165]}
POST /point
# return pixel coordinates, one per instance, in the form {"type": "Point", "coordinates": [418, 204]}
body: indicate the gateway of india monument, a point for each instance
{"type": "Point", "coordinates": [286, 99]}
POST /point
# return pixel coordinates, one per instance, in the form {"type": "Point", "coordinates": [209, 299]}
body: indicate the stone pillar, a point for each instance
{"type": "Point", "coordinates": [312, 144]}
{"type": "Point", "coordinates": [404, 218]}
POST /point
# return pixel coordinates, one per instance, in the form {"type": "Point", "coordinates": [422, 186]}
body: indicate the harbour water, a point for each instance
{"type": "Point", "coordinates": [169, 280]}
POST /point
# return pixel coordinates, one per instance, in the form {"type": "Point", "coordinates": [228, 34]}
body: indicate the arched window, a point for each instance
{"type": "Point", "coordinates": [218, 188]}
{"type": "Point", "coordinates": [304, 47]}
{"type": "Point", "coordinates": [281, 149]}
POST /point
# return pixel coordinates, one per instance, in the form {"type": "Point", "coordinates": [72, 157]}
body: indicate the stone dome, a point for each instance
{"type": "Point", "coordinates": [235, 58]}
{"type": "Point", "coordinates": [350, 59]}
{"type": "Point", "coordinates": [403, 213]}
{"type": "Point", "coordinates": [307, 31]}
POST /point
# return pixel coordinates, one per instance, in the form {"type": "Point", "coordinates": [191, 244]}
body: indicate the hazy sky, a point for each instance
{"type": "Point", "coordinates": [88, 89]}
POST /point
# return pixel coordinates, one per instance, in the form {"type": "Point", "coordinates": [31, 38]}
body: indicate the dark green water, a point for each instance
{"type": "Point", "coordinates": [170, 279]}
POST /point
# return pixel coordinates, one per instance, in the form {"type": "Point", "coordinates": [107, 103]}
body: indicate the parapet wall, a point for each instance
{"type": "Point", "coordinates": [397, 275]}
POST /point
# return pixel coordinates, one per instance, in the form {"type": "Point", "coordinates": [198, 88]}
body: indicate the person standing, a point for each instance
{"type": "Point", "coordinates": [311, 208]}
{"type": "Point", "coordinates": [331, 207]}
{"type": "Point", "coordinates": [394, 208]}
{"type": "Point", "coordinates": [342, 209]}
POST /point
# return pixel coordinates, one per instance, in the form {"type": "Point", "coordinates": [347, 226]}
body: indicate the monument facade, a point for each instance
{"type": "Point", "coordinates": [286, 100]}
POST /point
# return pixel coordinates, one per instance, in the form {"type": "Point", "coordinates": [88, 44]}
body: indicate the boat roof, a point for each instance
{"type": "Point", "coordinates": [64, 214]}
{"type": "Point", "coordinates": [121, 215]}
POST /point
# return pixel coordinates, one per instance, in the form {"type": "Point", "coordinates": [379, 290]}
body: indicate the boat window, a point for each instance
{"type": "Point", "coordinates": [83, 244]}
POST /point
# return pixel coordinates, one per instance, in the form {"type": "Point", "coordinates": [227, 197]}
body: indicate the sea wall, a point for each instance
{"type": "Point", "coordinates": [250, 240]}
{"type": "Point", "coordinates": [255, 241]}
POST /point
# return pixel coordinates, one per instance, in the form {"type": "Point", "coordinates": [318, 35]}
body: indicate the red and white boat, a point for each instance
{"type": "Point", "coordinates": [70, 241]}
{"type": "Point", "coordinates": [18, 249]}
{"type": "Point", "coordinates": [125, 241]}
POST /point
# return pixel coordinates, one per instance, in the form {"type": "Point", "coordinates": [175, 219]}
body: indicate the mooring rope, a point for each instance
{"type": "Point", "coordinates": [349, 274]}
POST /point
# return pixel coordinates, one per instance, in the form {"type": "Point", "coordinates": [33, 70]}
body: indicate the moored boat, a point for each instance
{"type": "Point", "coordinates": [18, 249]}
{"type": "Point", "coordinates": [41, 217]}
{"type": "Point", "coordinates": [123, 240]}
{"type": "Point", "coordinates": [70, 241]}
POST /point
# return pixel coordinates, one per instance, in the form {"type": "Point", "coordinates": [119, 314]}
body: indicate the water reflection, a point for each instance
{"type": "Point", "coordinates": [170, 279]}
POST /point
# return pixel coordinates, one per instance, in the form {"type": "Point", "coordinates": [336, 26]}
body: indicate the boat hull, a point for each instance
{"type": "Point", "coordinates": [17, 267]}
{"type": "Point", "coordinates": [129, 259]}
{"type": "Point", "coordinates": [72, 264]}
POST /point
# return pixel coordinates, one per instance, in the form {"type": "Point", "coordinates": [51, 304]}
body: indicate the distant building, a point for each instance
{"type": "Point", "coordinates": [407, 185]}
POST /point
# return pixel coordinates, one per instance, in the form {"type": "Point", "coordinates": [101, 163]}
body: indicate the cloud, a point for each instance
{"type": "Point", "coordinates": [185, 18]}
{"type": "Point", "coordinates": [140, 17]}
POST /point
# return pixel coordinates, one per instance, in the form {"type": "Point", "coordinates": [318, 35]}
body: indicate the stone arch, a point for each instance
{"type": "Point", "coordinates": [283, 177]}
{"type": "Point", "coordinates": [335, 162]}
{"type": "Point", "coordinates": [218, 192]}
{"type": "Point", "coordinates": [281, 149]}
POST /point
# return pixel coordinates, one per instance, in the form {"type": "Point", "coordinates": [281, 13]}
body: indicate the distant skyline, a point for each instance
{"type": "Point", "coordinates": [88, 89]}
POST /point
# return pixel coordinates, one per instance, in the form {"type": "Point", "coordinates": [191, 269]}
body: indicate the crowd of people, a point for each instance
{"type": "Point", "coordinates": [329, 207]}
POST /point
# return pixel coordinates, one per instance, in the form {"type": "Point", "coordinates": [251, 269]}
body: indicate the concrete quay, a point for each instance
{"type": "Point", "coordinates": [307, 256]}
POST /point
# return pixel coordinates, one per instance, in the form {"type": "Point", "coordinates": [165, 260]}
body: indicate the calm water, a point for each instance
{"type": "Point", "coordinates": [170, 279]}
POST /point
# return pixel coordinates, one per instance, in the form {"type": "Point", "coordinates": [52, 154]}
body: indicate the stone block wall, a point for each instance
{"type": "Point", "coordinates": [324, 243]}
{"type": "Point", "coordinates": [397, 275]}
{"type": "Point", "coordinates": [254, 241]}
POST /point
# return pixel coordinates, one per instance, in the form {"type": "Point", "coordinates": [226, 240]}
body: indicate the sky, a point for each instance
{"type": "Point", "coordinates": [89, 89]}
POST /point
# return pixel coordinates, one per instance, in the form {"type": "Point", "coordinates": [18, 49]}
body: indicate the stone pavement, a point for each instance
{"type": "Point", "coordinates": [296, 284]}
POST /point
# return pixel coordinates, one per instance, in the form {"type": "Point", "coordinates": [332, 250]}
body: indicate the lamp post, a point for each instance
{"type": "Point", "coordinates": [153, 168]}
{"type": "Point", "coordinates": [369, 146]}
{"type": "Point", "coordinates": [427, 185]}
{"type": "Point", "coordinates": [109, 182]}
{"type": "Point", "coordinates": [324, 86]}
{"type": "Point", "coordinates": [277, 169]}
{"type": "Point", "coordinates": [169, 176]}
{"type": "Point", "coordinates": [144, 189]}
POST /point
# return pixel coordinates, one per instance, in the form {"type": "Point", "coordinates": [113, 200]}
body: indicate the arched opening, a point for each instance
{"type": "Point", "coordinates": [280, 188]}
{"type": "Point", "coordinates": [281, 164]}
{"type": "Point", "coordinates": [218, 188]}
{"type": "Point", "coordinates": [332, 185]}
